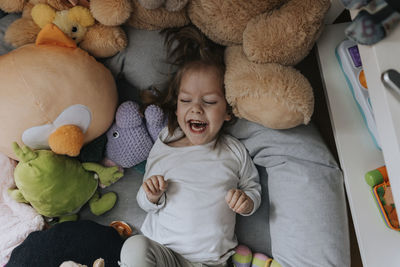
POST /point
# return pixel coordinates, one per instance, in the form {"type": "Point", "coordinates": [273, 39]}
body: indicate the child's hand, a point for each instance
{"type": "Point", "coordinates": [239, 202]}
{"type": "Point", "coordinates": [154, 187]}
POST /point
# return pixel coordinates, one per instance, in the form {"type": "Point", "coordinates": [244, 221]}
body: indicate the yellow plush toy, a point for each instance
{"type": "Point", "coordinates": [73, 22]}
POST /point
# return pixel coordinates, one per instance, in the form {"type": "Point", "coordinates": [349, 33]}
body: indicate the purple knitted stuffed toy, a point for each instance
{"type": "Point", "coordinates": [131, 137]}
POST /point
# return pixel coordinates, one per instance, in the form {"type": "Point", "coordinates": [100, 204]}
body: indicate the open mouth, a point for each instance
{"type": "Point", "coordinates": [197, 126]}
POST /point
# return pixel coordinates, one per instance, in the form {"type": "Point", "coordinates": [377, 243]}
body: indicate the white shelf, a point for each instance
{"type": "Point", "coordinates": [386, 104]}
{"type": "Point", "coordinates": [379, 245]}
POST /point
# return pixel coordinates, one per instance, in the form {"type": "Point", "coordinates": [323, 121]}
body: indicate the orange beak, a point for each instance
{"type": "Point", "coordinates": [67, 140]}
{"type": "Point", "coordinates": [52, 35]}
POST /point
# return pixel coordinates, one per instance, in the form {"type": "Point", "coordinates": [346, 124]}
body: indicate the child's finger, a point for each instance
{"type": "Point", "coordinates": [154, 180]}
{"type": "Point", "coordinates": [243, 207]}
{"type": "Point", "coordinates": [229, 195]}
{"type": "Point", "coordinates": [162, 183]}
{"type": "Point", "coordinates": [242, 198]}
{"type": "Point", "coordinates": [146, 189]}
{"type": "Point", "coordinates": [151, 187]}
{"type": "Point", "coordinates": [235, 198]}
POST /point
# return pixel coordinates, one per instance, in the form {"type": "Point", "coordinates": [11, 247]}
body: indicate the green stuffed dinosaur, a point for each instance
{"type": "Point", "coordinates": [58, 186]}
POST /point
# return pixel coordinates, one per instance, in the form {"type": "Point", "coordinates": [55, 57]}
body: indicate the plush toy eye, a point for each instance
{"type": "Point", "coordinates": [115, 134]}
{"type": "Point", "coordinates": [74, 29]}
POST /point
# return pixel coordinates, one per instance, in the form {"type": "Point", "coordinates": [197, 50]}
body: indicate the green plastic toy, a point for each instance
{"type": "Point", "coordinates": [58, 186]}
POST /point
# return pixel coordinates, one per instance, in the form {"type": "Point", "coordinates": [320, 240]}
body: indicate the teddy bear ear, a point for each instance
{"type": "Point", "coordinates": [81, 15]}
{"type": "Point", "coordinates": [43, 14]}
{"type": "Point", "coordinates": [128, 115]}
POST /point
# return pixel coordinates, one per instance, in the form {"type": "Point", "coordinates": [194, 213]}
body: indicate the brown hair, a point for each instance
{"type": "Point", "coordinates": [187, 49]}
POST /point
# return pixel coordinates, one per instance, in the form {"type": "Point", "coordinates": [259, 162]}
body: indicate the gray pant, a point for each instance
{"type": "Point", "coordinates": [140, 251]}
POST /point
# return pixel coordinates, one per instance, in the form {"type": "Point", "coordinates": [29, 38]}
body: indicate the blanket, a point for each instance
{"type": "Point", "coordinates": [17, 220]}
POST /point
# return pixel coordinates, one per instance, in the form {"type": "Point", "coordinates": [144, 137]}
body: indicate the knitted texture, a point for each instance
{"type": "Point", "coordinates": [155, 121]}
{"type": "Point", "coordinates": [129, 141]}
{"type": "Point", "coordinates": [242, 256]}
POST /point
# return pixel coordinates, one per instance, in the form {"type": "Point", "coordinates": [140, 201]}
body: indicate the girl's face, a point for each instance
{"type": "Point", "coordinates": [201, 107]}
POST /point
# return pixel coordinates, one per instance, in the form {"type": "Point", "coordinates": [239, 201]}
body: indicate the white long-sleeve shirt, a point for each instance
{"type": "Point", "coordinates": [192, 217]}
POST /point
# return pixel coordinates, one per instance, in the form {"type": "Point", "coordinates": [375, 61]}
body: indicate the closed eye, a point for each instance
{"type": "Point", "coordinates": [184, 100]}
{"type": "Point", "coordinates": [210, 102]}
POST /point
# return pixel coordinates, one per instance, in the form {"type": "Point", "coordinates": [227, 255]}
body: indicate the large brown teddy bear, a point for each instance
{"type": "Point", "coordinates": [264, 38]}
{"type": "Point", "coordinates": [99, 40]}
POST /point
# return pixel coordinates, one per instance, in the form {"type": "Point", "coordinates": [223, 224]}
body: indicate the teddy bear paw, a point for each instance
{"type": "Point", "coordinates": [112, 12]}
{"type": "Point", "coordinates": [104, 41]}
{"type": "Point", "coordinates": [21, 32]}
{"type": "Point", "coordinates": [120, 39]}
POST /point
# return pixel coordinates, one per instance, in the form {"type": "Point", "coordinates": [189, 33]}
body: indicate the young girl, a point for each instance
{"type": "Point", "coordinates": [197, 178]}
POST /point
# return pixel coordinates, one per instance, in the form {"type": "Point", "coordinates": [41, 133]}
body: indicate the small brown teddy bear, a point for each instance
{"type": "Point", "coordinates": [264, 38]}
{"type": "Point", "coordinates": [99, 40]}
{"type": "Point", "coordinates": [163, 13]}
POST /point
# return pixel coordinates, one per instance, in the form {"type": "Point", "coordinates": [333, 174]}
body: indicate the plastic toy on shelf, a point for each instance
{"type": "Point", "coordinates": [379, 181]}
{"type": "Point", "coordinates": [350, 62]}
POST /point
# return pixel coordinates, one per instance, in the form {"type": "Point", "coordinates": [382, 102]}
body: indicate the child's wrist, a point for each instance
{"type": "Point", "coordinates": [154, 200]}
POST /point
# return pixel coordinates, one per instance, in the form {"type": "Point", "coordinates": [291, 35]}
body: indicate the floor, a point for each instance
{"type": "Point", "coordinates": [309, 68]}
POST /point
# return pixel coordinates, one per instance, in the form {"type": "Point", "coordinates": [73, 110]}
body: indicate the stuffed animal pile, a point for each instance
{"type": "Point", "coordinates": [98, 39]}
{"type": "Point", "coordinates": [50, 100]}
{"type": "Point", "coordinates": [56, 185]}
{"type": "Point", "coordinates": [265, 38]}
